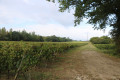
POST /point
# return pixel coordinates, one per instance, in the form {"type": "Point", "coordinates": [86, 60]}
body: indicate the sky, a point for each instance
{"type": "Point", "coordinates": [44, 18]}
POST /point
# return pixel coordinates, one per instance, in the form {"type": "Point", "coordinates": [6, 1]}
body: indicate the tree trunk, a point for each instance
{"type": "Point", "coordinates": [116, 33]}
{"type": "Point", "coordinates": [117, 40]}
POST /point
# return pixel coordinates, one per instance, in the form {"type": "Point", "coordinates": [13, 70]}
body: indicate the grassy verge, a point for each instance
{"type": "Point", "coordinates": [108, 49]}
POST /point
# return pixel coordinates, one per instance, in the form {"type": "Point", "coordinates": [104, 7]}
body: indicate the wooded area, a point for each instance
{"type": "Point", "coordinates": [25, 36]}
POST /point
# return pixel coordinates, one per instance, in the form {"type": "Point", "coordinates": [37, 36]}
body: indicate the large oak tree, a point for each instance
{"type": "Point", "coordinates": [100, 13]}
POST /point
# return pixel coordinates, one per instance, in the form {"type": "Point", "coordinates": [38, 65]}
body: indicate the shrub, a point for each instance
{"type": "Point", "coordinates": [101, 40]}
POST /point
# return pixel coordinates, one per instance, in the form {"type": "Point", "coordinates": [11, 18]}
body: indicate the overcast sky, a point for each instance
{"type": "Point", "coordinates": [44, 18]}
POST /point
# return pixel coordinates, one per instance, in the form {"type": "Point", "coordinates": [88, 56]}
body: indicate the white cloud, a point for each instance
{"type": "Point", "coordinates": [26, 1]}
{"type": "Point", "coordinates": [40, 11]}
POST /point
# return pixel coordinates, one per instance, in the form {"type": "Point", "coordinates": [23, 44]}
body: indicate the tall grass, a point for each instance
{"type": "Point", "coordinates": [108, 49]}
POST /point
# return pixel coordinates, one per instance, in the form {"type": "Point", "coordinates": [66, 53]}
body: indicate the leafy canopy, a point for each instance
{"type": "Point", "coordinates": [99, 12]}
{"type": "Point", "coordinates": [101, 40]}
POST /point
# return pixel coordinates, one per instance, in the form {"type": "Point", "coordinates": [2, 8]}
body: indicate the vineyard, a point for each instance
{"type": "Point", "coordinates": [107, 48]}
{"type": "Point", "coordinates": [19, 57]}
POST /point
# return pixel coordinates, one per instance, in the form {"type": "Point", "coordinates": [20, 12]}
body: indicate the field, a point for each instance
{"type": "Point", "coordinates": [19, 57]}
{"type": "Point", "coordinates": [107, 48]}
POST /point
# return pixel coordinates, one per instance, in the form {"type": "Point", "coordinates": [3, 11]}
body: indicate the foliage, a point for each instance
{"type": "Point", "coordinates": [57, 39]}
{"type": "Point", "coordinates": [25, 36]}
{"type": "Point", "coordinates": [98, 12]}
{"type": "Point", "coordinates": [12, 53]}
{"type": "Point", "coordinates": [107, 48]}
{"type": "Point", "coordinates": [101, 40]}
{"type": "Point", "coordinates": [18, 36]}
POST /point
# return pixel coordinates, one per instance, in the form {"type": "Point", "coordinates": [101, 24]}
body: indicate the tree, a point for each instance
{"type": "Point", "coordinates": [101, 40]}
{"type": "Point", "coordinates": [25, 36]}
{"type": "Point", "coordinates": [106, 40]}
{"type": "Point", "coordinates": [52, 39]}
{"type": "Point", "coordinates": [16, 36]}
{"type": "Point", "coordinates": [3, 34]}
{"type": "Point", "coordinates": [99, 13]}
{"type": "Point", "coordinates": [41, 39]}
{"type": "Point", "coordinates": [95, 40]}
{"type": "Point", "coordinates": [10, 34]}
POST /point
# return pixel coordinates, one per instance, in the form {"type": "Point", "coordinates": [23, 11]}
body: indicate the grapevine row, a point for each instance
{"type": "Point", "coordinates": [12, 54]}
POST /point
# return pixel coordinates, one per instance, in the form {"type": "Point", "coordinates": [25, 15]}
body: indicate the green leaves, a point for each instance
{"type": "Point", "coordinates": [101, 40]}
{"type": "Point", "coordinates": [97, 11]}
{"type": "Point", "coordinates": [11, 54]}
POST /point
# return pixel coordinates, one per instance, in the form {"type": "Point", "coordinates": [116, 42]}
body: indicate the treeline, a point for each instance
{"type": "Point", "coordinates": [57, 39]}
{"type": "Point", "coordinates": [101, 40]}
{"type": "Point", "coordinates": [11, 35]}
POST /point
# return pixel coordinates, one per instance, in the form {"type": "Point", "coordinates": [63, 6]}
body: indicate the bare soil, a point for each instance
{"type": "Point", "coordinates": [86, 63]}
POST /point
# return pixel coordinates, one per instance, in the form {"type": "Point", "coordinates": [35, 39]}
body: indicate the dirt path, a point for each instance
{"type": "Point", "coordinates": [101, 66]}
{"type": "Point", "coordinates": [86, 63]}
